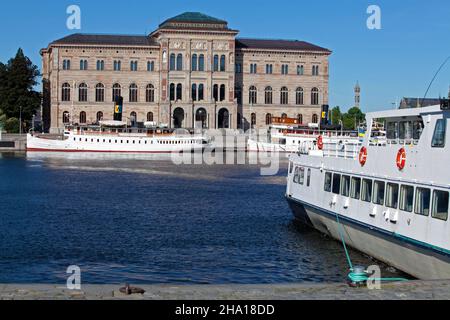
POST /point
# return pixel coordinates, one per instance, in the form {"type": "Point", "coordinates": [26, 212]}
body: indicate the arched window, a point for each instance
{"type": "Point", "coordinates": [82, 117]}
{"type": "Point", "coordinates": [133, 119]}
{"type": "Point", "coordinates": [179, 62]}
{"type": "Point", "coordinates": [83, 65]}
{"type": "Point", "coordinates": [253, 95]}
{"type": "Point", "coordinates": [133, 93]}
{"type": "Point", "coordinates": [216, 92]}
{"type": "Point", "coordinates": [150, 66]}
{"type": "Point", "coordinates": [222, 92]}
{"type": "Point", "coordinates": [268, 93]}
{"type": "Point", "coordinates": [194, 62]}
{"type": "Point", "coordinates": [223, 63]}
{"type": "Point", "coordinates": [100, 93]}
{"type": "Point", "coordinates": [201, 92]}
{"type": "Point", "coordinates": [300, 118]}
{"type": "Point", "coordinates": [82, 92]}
{"type": "Point", "coordinates": [315, 118]}
{"type": "Point", "coordinates": [315, 97]}
{"type": "Point", "coordinates": [180, 92]}
{"type": "Point", "coordinates": [268, 119]}
{"type": "Point", "coordinates": [172, 92]}
{"type": "Point", "coordinates": [299, 96]}
{"type": "Point", "coordinates": [66, 118]}
{"type": "Point", "coordinates": [284, 116]}
{"type": "Point", "coordinates": [216, 63]}
{"type": "Point", "coordinates": [116, 91]}
{"type": "Point", "coordinates": [253, 120]}
{"type": "Point", "coordinates": [65, 94]}
{"type": "Point", "coordinates": [201, 63]}
{"type": "Point", "coordinates": [150, 117]}
{"type": "Point", "coordinates": [150, 93]}
{"type": "Point", "coordinates": [194, 92]}
{"type": "Point", "coordinates": [172, 62]}
{"type": "Point", "coordinates": [99, 116]}
{"type": "Point", "coordinates": [284, 96]}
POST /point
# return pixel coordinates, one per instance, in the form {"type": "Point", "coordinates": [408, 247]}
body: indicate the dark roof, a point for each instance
{"type": "Point", "coordinates": [195, 17]}
{"type": "Point", "coordinates": [277, 45]}
{"type": "Point", "coordinates": [103, 39]}
{"type": "Point", "coordinates": [418, 102]}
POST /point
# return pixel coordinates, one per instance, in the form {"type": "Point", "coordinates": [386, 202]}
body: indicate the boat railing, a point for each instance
{"type": "Point", "coordinates": [333, 148]}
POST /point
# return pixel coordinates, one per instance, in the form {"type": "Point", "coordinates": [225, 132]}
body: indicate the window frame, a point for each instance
{"type": "Point", "coordinates": [403, 198]}
{"type": "Point", "coordinates": [434, 206]}
{"type": "Point", "coordinates": [355, 193]}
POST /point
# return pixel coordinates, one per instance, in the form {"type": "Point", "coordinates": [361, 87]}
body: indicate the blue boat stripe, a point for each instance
{"type": "Point", "coordinates": [397, 236]}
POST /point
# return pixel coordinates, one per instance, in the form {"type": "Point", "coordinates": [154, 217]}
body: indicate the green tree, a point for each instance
{"type": "Point", "coordinates": [353, 118]}
{"type": "Point", "coordinates": [336, 115]}
{"type": "Point", "coordinates": [17, 81]}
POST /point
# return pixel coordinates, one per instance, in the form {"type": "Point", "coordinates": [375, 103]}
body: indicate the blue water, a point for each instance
{"type": "Point", "coordinates": [148, 221]}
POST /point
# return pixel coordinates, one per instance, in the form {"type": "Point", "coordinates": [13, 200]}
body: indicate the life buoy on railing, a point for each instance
{"type": "Point", "coordinates": [401, 159]}
{"type": "Point", "coordinates": [363, 156]}
{"type": "Point", "coordinates": [320, 142]}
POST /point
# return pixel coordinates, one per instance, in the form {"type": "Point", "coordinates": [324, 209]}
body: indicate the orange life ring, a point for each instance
{"type": "Point", "coordinates": [401, 159]}
{"type": "Point", "coordinates": [320, 142]}
{"type": "Point", "coordinates": [363, 156]}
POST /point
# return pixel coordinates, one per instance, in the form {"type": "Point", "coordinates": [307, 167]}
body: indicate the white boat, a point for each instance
{"type": "Point", "coordinates": [285, 135]}
{"type": "Point", "coordinates": [115, 137]}
{"type": "Point", "coordinates": [389, 200]}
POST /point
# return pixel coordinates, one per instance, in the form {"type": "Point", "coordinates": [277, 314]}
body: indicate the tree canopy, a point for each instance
{"type": "Point", "coordinates": [17, 81]}
{"type": "Point", "coordinates": [350, 120]}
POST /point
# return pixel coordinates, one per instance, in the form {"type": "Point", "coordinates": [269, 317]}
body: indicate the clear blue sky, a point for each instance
{"type": "Point", "coordinates": [397, 61]}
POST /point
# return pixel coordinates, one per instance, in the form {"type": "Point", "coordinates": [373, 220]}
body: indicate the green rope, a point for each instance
{"type": "Point", "coordinates": [358, 277]}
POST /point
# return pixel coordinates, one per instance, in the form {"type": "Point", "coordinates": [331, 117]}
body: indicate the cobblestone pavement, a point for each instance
{"type": "Point", "coordinates": [414, 290]}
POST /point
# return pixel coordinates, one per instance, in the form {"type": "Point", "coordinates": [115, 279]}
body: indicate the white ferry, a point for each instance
{"type": "Point", "coordinates": [286, 135]}
{"type": "Point", "coordinates": [116, 137]}
{"type": "Point", "coordinates": [389, 200]}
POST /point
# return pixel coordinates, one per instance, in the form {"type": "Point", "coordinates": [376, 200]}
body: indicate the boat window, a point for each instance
{"type": "Point", "coordinates": [366, 194]}
{"type": "Point", "coordinates": [423, 197]}
{"type": "Point", "coordinates": [345, 186]}
{"type": "Point", "coordinates": [440, 205]}
{"type": "Point", "coordinates": [296, 175]}
{"type": "Point", "coordinates": [378, 192]}
{"type": "Point", "coordinates": [355, 188]}
{"type": "Point", "coordinates": [392, 131]}
{"type": "Point", "coordinates": [328, 178]}
{"type": "Point", "coordinates": [392, 195]}
{"type": "Point", "coordinates": [439, 134]}
{"type": "Point", "coordinates": [405, 130]}
{"type": "Point", "coordinates": [336, 183]}
{"type": "Point", "coordinates": [417, 129]}
{"type": "Point", "coordinates": [308, 182]}
{"type": "Point", "coordinates": [302, 176]}
{"type": "Point", "coordinates": [406, 198]}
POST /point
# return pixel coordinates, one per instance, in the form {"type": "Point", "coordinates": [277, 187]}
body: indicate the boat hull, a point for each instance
{"type": "Point", "coordinates": [95, 144]}
{"type": "Point", "coordinates": [412, 257]}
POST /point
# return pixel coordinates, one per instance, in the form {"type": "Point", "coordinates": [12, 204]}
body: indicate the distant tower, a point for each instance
{"type": "Point", "coordinates": [357, 95]}
{"type": "Point", "coordinates": [449, 92]}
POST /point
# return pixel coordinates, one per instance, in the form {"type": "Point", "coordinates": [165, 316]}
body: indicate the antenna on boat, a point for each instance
{"type": "Point", "coordinates": [434, 78]}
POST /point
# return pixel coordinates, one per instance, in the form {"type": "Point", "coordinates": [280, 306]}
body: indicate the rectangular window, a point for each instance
{"type": "Point", "coordinates": [302, 176]}
{"type": "Point", "coordinates": [328, 179]}
{"type": "Point", "coordinates": [439, 134]}
{"type": "Point", "coordinates": [405, 130]}
{"type": "Point", "coordinates": [378, 192]}
{"type": "Point", "coordinates": [440, 205]}
{"type": "Point", "coordinates": [366, 193]}
{"type": "Point", "coordinates": [308, 182]}
{"type": "Point", "coordinates": [392, 131]}
{"type": "Point", "coordinates": [423, 197]}
{"type": "Point", "coordinates": [355, 192]}
{"type": "Point", "coordinates": [345, 186]}
{"type": "Point", "coordinates": [336, 183]}
{"type": "Point", "coordinates": [392, 195]}
{"type": "Point", "coordinates": [296, 176]}
{"type": "Point", "coordinates": [406, 198]}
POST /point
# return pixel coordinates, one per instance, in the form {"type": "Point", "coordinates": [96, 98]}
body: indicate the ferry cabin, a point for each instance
{"type": "Point", "coordinates": [392, 198]}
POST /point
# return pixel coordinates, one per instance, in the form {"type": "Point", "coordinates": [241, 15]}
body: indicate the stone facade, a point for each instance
{"type": "Point", "coordinates": [191, 72]}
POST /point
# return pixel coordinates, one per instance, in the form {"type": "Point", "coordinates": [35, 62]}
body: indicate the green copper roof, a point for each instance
{"type": "Point", "coordinates": [195, 17]}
